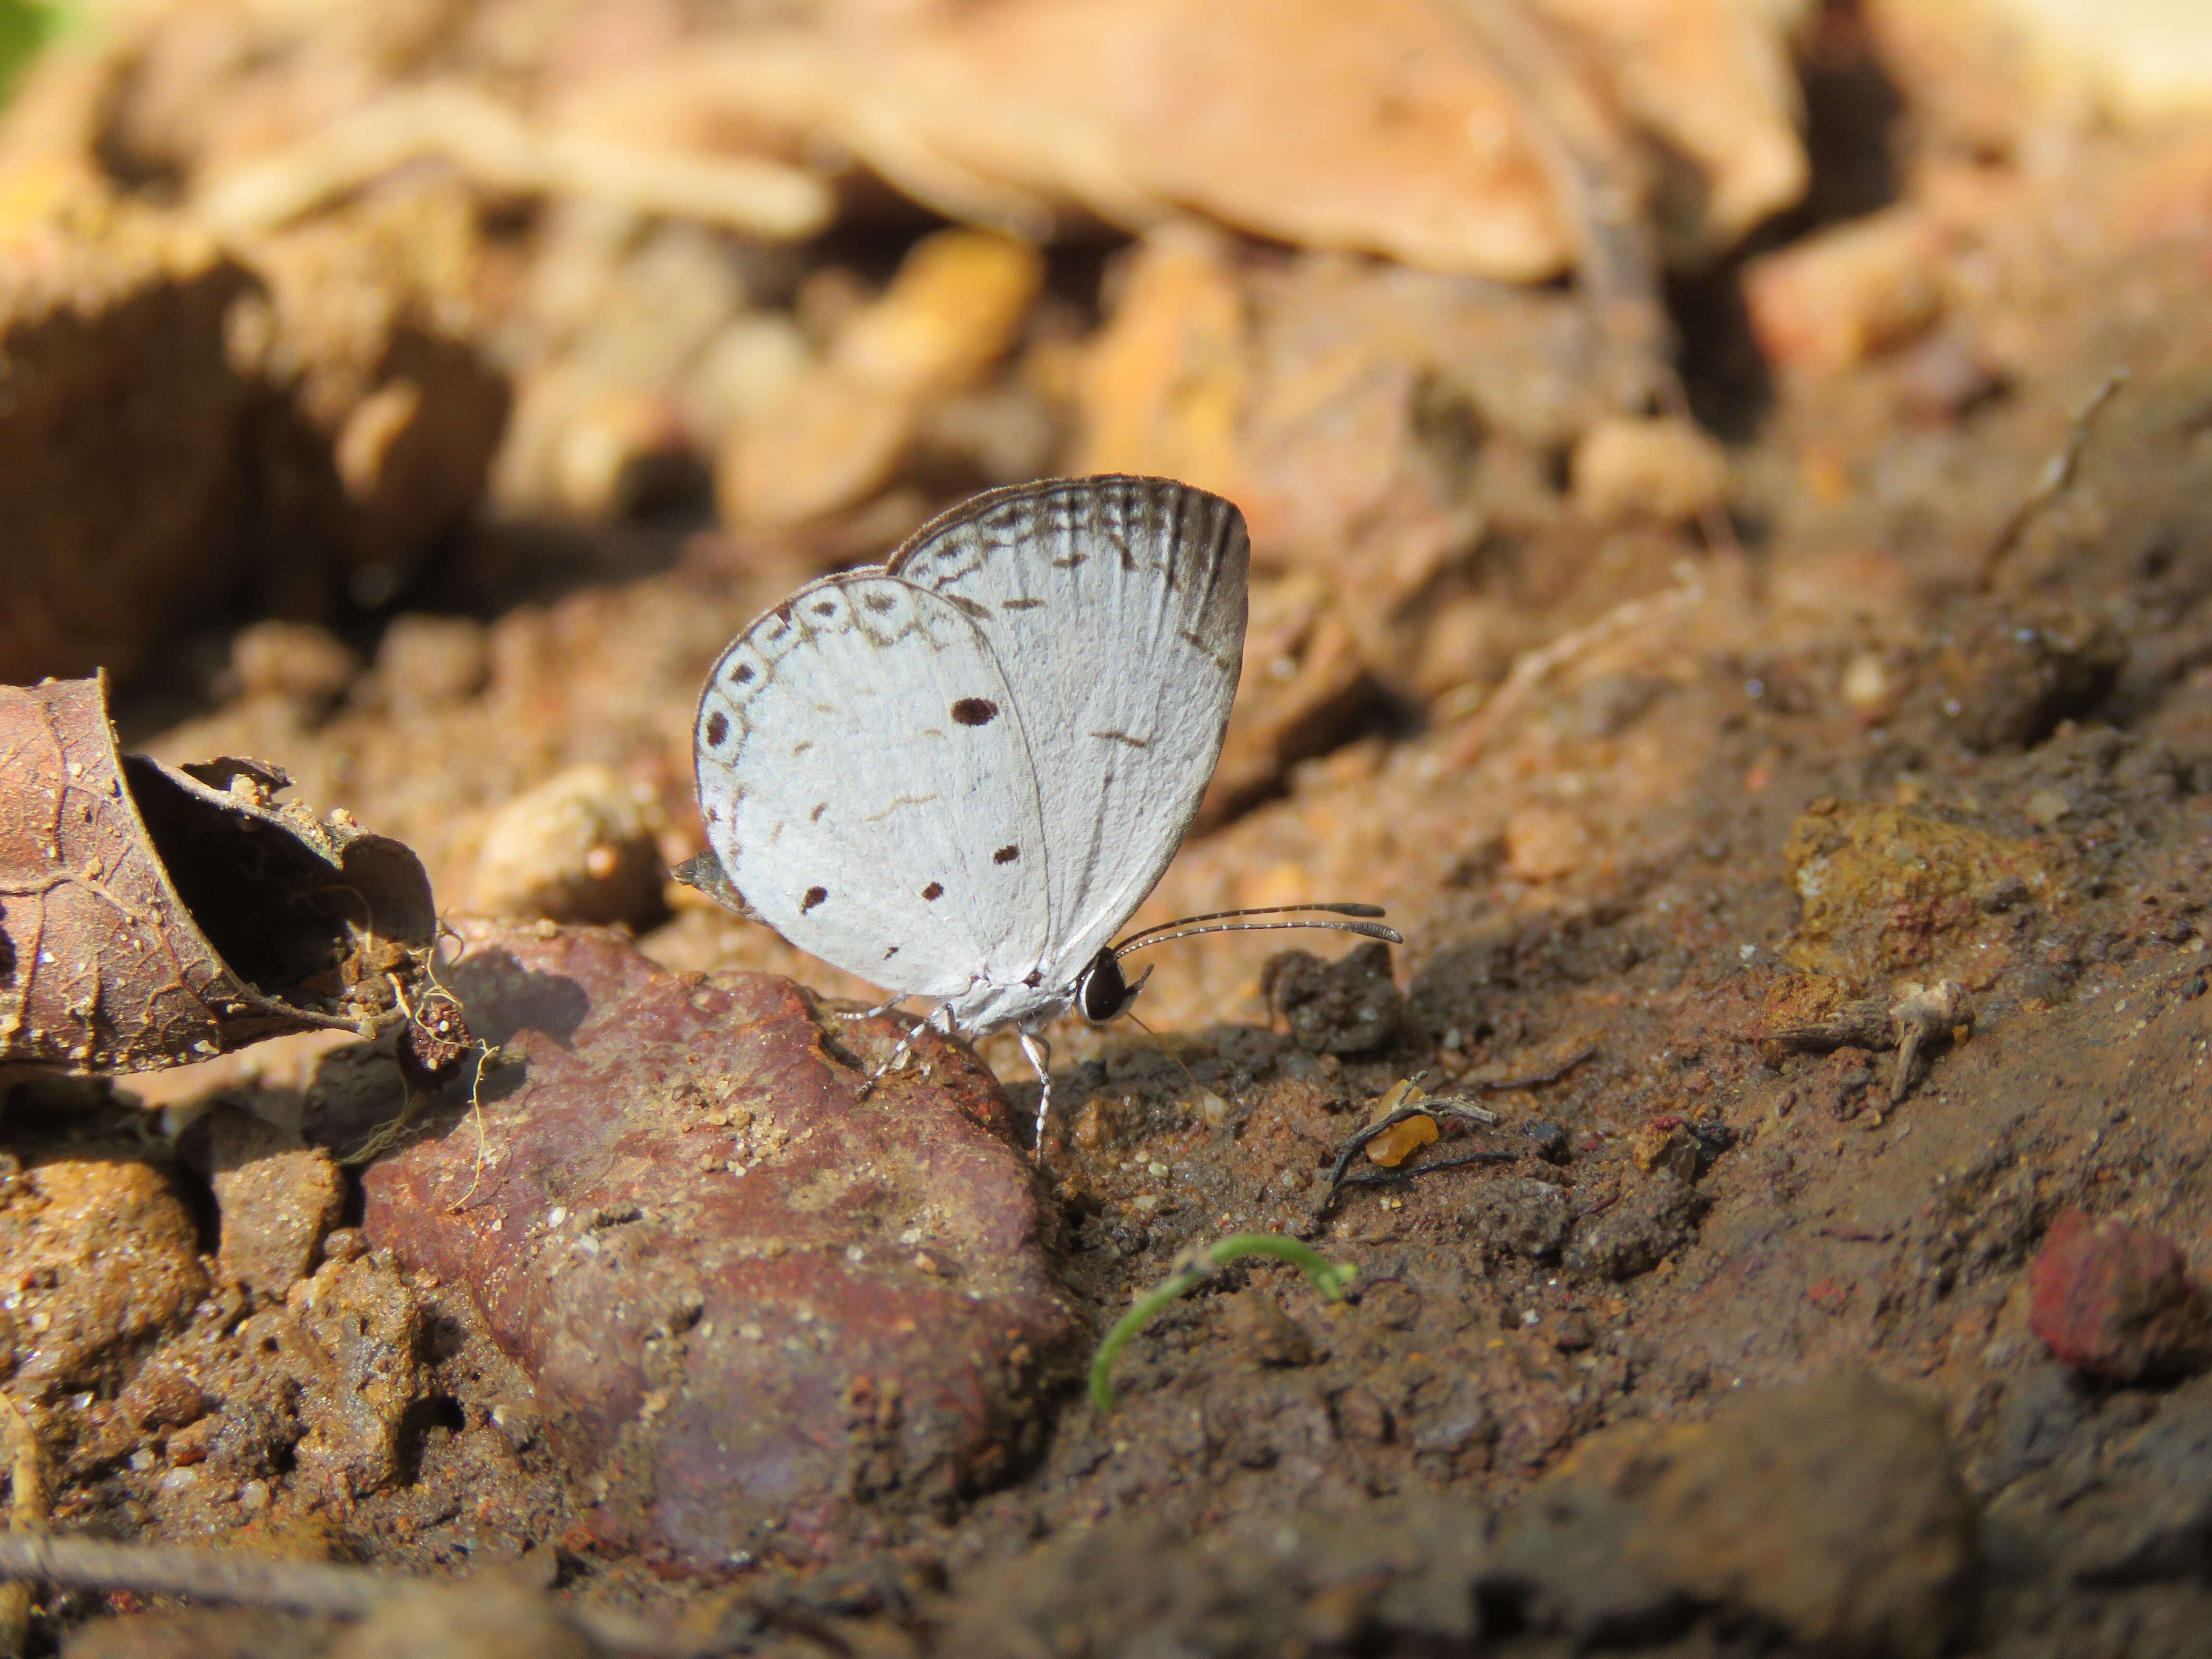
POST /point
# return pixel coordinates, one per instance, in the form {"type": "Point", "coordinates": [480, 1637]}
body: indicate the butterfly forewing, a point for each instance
{"type": "Point", "coordinates": [866, 783]}
{"type": "Point", "coordinates": [1115, 607]}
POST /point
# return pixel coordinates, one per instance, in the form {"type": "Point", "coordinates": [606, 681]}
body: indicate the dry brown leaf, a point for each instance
{"type": "Point", "coordinates": [151, 917]}
{"type": "Point", "coordinates": [1383, 127]}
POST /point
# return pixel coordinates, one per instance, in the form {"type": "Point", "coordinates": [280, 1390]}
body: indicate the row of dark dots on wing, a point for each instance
{"type": "Point", "coordinates": [967, 711]}
{"type": "Point", "coordinates": [934, 892]}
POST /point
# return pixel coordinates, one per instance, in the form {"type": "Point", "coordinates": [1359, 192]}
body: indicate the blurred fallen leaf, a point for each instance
{"type": "Point", "coordinates": [1387, 127]}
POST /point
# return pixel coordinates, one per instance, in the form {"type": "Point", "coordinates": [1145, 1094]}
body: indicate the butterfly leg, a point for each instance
{"type": "Point", "coordinates": [939, 1020]}
{"type": "Point", "coordinates": [1040, 1057]}
{"type": "Point", "coordinates": [876, 1013]}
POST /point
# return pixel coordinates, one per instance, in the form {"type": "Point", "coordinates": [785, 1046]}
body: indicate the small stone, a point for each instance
{"type": "Point", "coordinates": [1868, 686]}
{"type": "Point", "coordinates": [2116, 1301]}
{"type": "Point", "coordinates": [2046, 807]}
{"type": "Point", "coordinates": [298, 661]}
{"type": "Point", "coordinates": [1839, 296]}
{"type": "Point", "coordinates": [1258, 1323]}
{"type": "Point", "coordinates": [1543, 843]}
{"type": "Point", "coordinates": [579, 848]}
{"type": "Point", "coordinates": [1550, 1141]}
{"type": "Point", "coordinates": [1654, 1218]}
{"type": "Point", "coordinates": [431, 662]}
{"type": "Point", "coordinates": [1514, 1215]}
{"type": "Point", "coordinates": [1347, 1007]}
{"type": "Point", "coordinates": [1647, 467]}
{"type": "Point", "coordinates": [163, 1395]}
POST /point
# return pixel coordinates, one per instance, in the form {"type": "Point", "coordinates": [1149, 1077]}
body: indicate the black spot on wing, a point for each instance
{"type": "Point", "coordinates": [934, 890]}
{"type": "Point", "coordinates": [1005, 855]}
{"type": "Point", "coordinates": [889, 954]}
{"type": "Point", "coordinates": [965, 604]}
{"type": "Point", "coordinates": [1023, 605]}
{"type": "Point", "coordinates": [814, 897]}
{"type": "Point", "coordinates": [974, 711]}
{"type": "Point", "coordinates": [879, 602]}
{"type": "Point", "coordinates": [742, 674]}
{"type": "Point", "coordinates": [1123, 737]}
{"type": "Point", "coordinates": [718, 728]}
{"type": "Point", "coordinates": [820, 807]}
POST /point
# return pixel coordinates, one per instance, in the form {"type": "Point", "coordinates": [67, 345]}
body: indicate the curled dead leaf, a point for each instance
{"type": "Point", "coordinates": [151, 916]}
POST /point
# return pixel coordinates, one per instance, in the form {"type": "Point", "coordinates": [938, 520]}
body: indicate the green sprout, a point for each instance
{"type": "Point", "coordinates": [1329, 1279]}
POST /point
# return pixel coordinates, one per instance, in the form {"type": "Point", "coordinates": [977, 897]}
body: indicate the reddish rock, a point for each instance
{"type": "Point", "coordinates": [2116, 1301]}
{"type": "Point", "coordinates": [752, 1300]}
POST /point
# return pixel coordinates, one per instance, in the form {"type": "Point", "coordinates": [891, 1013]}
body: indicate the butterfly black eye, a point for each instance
{"type": "Point", "coordinates": [1101, 995]}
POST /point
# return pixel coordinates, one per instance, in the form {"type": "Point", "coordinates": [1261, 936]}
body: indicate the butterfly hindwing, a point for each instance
{"type": "Point", "coordinates": [1115, 607]}
{"type": "Point", "coordinates": [868, 788]}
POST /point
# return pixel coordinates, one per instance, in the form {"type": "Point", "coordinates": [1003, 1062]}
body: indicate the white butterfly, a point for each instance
{"type": "Point", "coordinates": [958, 773]}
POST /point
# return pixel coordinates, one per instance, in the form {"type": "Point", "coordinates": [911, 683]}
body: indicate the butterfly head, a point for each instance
{"type": "Point", "coordinates": [1102, 994]}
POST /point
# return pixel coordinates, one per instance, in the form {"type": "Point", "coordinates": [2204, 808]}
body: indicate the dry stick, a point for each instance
{"type": "Point", "coordinates": [1598, 181]}
{"type": "Point", "coordinates": [1433, 1106]}
{"type": "Point", "coordinates": [26, 1506]}
{"type": "Point", "coordinates": [1538, 666]}
{"type": "Point", "coordinates": [2056, 475]}
{"type": "Point", "coordinates": [496, 147]}
{"type": "Point", "coordinates": [318, 1588]}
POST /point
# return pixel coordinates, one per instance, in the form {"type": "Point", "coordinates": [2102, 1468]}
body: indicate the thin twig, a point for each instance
{"type": "Point", "coordinates": [476, 1117]}
{"type": "Point", "coordinates": [1436, 1106]}
{"type": "Point", "coordinates": [1599, 183]}
{"type": "Point", "coordinates": [319, 1588]}
{"type": "Point", "coordinates": [1530, 1080]}
{"type": "Point", "coordinates": [496, 147]}
{"type": "Point", "coordinates": [26, 1513]}
{"type": "Point", "coordinates": [2057, 476]}
{"type": "Point", "coordinates": [1533, 667]}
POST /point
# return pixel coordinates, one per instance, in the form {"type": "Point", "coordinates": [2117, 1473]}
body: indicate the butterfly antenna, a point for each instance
{"type": "Point", "coordinates": [1174, 930]}
{"type": "Point", "coordinates": [1262, 910]}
